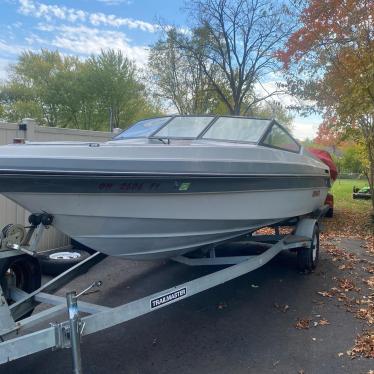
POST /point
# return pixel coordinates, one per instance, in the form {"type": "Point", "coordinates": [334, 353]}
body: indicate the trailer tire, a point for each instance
{"type": "Point", "coordinates": [57, 261]}
{"type": "Point", "coordinates": [330, 213]}
{"type": "Point", "coordinates": [26, 271]}
{"type": "Point", "coordinates": [307, 258]}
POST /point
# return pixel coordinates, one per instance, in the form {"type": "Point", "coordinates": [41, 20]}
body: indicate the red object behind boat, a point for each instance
{"type": "Point", "coordinates": [325, 157]}
{"type": "Point", "coordinates": [330, 200]}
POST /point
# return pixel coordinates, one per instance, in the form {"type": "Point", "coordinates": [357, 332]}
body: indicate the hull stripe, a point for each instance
{"type": "Point", "coordinates": [171, 184]}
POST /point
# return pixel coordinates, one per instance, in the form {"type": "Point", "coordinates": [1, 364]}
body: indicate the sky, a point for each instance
{"type": "Point", "coordinates": [86, 27]}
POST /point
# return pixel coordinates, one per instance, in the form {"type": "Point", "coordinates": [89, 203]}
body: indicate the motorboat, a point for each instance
{"type": "Point", "coordinates": [167, 185]}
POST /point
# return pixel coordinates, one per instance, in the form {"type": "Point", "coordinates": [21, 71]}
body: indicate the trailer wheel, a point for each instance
{"type": "Point", "coordinates": [22, 272]}
{"type": "Point", "coordinates": [330, 213]}
{"type": "Point", "coordinates": [307, 258]}
{"type": "Point", "coordinates": [57, 261]}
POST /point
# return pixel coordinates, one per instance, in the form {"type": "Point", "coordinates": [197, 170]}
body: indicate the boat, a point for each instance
{"type": "Point", "coordinates": [169, 185]}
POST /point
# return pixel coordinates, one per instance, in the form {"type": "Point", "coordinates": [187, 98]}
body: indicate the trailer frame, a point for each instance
{"type": "Point", "coordinates": [16, 342]}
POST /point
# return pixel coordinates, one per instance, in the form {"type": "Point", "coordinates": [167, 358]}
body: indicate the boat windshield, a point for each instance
{"type": "Point", "coordinates": [237, 129]}
{"type": "Point", "coordinates": [234, 129]}
{"type": "Point", "coordinates": [184, 127]}
{"type": "Point", "coordinates": [142, 129]}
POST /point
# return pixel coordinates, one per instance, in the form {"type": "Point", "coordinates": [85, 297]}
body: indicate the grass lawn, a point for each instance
{"type": "Point", "coordinates": [342, 191]}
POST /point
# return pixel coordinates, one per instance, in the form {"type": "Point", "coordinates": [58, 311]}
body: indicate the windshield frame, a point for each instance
{"type": "Point", "coordinates": [143, 137]}
{"type": "Point", "coordinates": [268, 130]}
{"type": "Point", "coordinates": [213, 119]}
{"type": "Point", "coordinates": [270, 123]}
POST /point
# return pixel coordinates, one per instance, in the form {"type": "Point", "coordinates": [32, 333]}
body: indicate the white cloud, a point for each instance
{"type": "Point", "coordinates": [49, 12]}
{"type": "Point", "coordinates": [45, 27]}
{"type": "Point", "coordinates": [86, 41]}
{"type": "Point", "coordinates": [75, 34]}
{"type": "Point", "coordinates": [115, 2]}
{"type": "Point", "coordinates": [33, 39]}
{"type": "Point", "coordinates": [52, 12]}
{"type": "Point", "coordinates": [97, 19]}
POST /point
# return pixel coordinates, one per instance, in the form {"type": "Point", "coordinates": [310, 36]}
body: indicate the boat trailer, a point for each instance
{"type": "Point", "coordinates": [16, 304]}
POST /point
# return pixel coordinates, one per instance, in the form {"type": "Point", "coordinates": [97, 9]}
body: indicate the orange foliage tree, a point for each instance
{"type": "Point", "coordinates": [330, 61]}
{"type": "Point", "coordinates": [327, 135]}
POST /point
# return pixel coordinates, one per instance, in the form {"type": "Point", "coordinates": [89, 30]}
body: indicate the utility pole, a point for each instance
{"type": "Point", "coordinates": [110, 119]}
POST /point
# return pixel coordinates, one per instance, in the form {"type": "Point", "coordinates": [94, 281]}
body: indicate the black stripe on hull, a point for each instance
{"type": "Point", "coordinates": [154, 184]}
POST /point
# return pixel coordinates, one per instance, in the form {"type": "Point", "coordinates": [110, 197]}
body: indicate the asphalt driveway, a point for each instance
{"type": "Point", "coordinates": [244, 326]}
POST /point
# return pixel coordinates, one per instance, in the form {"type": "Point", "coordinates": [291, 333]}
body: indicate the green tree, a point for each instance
{"type": "Point", "coordinates": [113, 77]}
{"type": "Point", "coordinates": [19, 101]}
{"type": "Point", "coordinates": [273, 109]}
{"type": "Point", "coordinates": [176, 78]}
{"type": "Point", "coordinates": [67, 92]}
{"type": "Point", "coordinates": [351, 160]}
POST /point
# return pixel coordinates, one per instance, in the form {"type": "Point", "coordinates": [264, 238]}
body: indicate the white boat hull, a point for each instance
{"type": "Point", "coordinates": [149, 226]}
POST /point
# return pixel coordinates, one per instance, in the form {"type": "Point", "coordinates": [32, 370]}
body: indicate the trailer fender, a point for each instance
{"type": "Point", "coordinates": [306, 227]}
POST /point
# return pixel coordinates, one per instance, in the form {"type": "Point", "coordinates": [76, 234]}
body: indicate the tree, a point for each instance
{"type": "Point", "coordinates": [330, 60]}
{"type": "Point", "coordinates": [233, 44]}
{"type": "Point", "coordinates": [19, 101]}
{"type": "Point", "coordinates": [30, 88]}
{"type": "Point", "coordinates": [175, 77]}
{"type": "Point", "coordinates": [64, 91]}
{"type": "Point", "coordinates": [329, 136]}
{"type": "Point", "coordinates": [273, 109]}
{"type": "Point", "coordinates": [113, 77]}
{"type": "Point", "coordinates": [351, 161]}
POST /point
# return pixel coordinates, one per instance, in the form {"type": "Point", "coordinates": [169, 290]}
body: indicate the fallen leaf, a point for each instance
{"type": "Point", "coordinates": [367, 314]}
{"type": "Point", "coordinates": [369, 281]}
{"type": "Point", "coordinates": [346, 284]}
{"type": "Point", "coordinates": [324, 293]}
{"type": "Point", "coordinates": [347, 266]}
{"type": "Point", "coordinates": [323, 322]}
{"type": "Point", "coordinates": [302, 324]}
{"type": "Point", "coordinates": [364, 345]}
